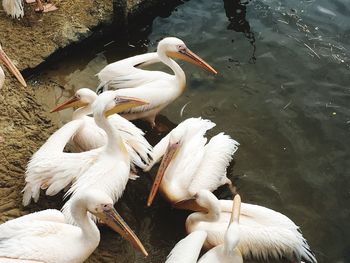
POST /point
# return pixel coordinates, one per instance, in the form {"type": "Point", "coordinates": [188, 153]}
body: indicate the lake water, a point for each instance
{"type": "Point", "coordinates": [282, 92]}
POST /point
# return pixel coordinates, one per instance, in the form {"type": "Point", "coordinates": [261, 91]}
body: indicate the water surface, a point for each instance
{"type": "Point", "coordinates": [282, 92]}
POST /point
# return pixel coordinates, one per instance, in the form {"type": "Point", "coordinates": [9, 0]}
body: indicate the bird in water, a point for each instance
{"type": "Point", "coordinates": [264, 234]}
{"type": "Point", "coordinates": [11, 67]}
{"type": "Point", "coordinates": [89, 136]}
{"type": "Point", "coordinates": [188, 249]}
{"type": "Point", "coordinates": [156, 87]}
{"type": "Point", "coordinates": [189, 163]}
{"type": "Point", "coordinates": [46, 236]}
{"type": "Point", "coordinates": [53, 169]}
{"type": "Point", "coordinates": [14, 8]}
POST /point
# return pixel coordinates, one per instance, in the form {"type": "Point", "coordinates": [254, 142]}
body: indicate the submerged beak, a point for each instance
{"type": "Point", "coordinates": [72, 102]}
{"type": "Point", "coordinates": [9, 64]}
{"type": "Point", "coordinates": [111, 217]}
{"type": "Point", "coordinates": [189, 56]}
{"type": "Point", "coordinates": [124, 103]}
{"type": "Point", "coordinates": [236, 209]}
{"type": "Point", "coordinates": [167, 158]}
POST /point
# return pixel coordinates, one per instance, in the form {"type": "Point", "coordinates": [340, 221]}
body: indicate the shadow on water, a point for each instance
{"type": "Point", "coordinates": [236, 11]}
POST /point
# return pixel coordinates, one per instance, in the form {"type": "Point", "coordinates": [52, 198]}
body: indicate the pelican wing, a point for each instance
{"type": "Point", "coordinates": [55, 171]}
{"type": "Point", "coordinates": [264, 234]}
{"type": "Point", "coordinates": [51, 215]}
{"type": "Point", "coordinates": [33, 239]}
{"type": "Point", "coordinates": [218, 255]}
{"type": "Point", "coordinates": [125, 74]}
{"type": "Point", "coordinates": [212, 170]}
{"type": "Point", "coordinates": [194, 125]}
{"type": "Point", "coordinates": [139, 149]}
{"type": "Point", "coordinates": [187, 250]}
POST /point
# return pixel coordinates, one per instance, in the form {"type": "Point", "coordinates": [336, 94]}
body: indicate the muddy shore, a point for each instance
{"type": "Point", "coordinates": [24, 121]}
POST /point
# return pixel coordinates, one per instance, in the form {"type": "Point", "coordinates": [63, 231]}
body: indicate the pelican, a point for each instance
{"type": "Point", "coordinates": [188, 249]}
{"type": "Point", "coordinates": [264, 234]}
{"type": "Point", "coordinates": [89, 136]}
{"type": "Point", "coordinates": [156, 87]}
{"type": "Point", "coordinates": [14, 8]}
{"type": "Point", "coordinates": [189, 164]}
{"type": "Point", "coordinates": [52, 169]}
{"type": "Point", "coordinates": [45, 236]}
{"type": "Point", "coordinates": [9, 64]}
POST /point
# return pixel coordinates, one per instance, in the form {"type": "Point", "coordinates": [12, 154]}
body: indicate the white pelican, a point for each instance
{"type": "Point", "coordinates": [156, 87]}
{"type": "Point", "coordinates": [45, 236]}
{"type": "Point", "coordinates": [263, 233]}
{"type": "Point", "coordinates": [89, 136]}
{"type": "Point", "coordinates": [14, 8]}
{"type": "Point", "coordinates": [188, 249]}
{"type": "Point", "coordinates": [9, 64]}
{"type": "Point", "coordinates": [52, 169]}
{"type": "Point", "coordinates": [189, 164]}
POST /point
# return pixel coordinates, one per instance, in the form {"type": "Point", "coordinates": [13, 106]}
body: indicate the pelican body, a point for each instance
{"type": "Point", "coordinates": [90, 136]}
{"type": "Point", "coordinates": [45, 236]}
{"type": "Point", "coordinates": [52, 169]}
{"type": "Point", "coordinates": [11, 67]}
{"type": "Point", "coordinates": [263, 233]}
{"type": "Point", "coordinates": [110, 172]}
{"type": "Point", "coordinates": [188, 249]}
{"type": "Point", "coordinates": [156, 87]}
{"type": "Point", "coordinates": [189, 164]}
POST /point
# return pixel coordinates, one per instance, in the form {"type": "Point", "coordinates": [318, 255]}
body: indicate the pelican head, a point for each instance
{"type": "Point", "coordinates": [9, 64]}
{"type": "Point", "coordinates": [175, 141]}
{"type": "Point", "coordinates": [82, 97]}
{"type": "Point", "coordinates": [176, 48]}
{"type": "Point", "coordinates": [109, 102]}
{"type": "Point", "coordinates": [101, 205]}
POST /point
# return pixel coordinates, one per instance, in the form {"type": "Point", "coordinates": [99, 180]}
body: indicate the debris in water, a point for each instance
{"type": "Point", "coordinates": [183, 108]}
{"type": "Point", "coordinates": [313, 51]}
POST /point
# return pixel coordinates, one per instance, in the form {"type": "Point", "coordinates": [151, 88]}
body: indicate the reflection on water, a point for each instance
{"type": "Point", "coordinates": [236, 12]}
{"type": "Point", "coordinates": [289, 110]}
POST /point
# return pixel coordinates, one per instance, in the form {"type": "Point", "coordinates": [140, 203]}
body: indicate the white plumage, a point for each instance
{"type": "Point", "coordinates": [14, 8]}
{"type": "Point", "coordinates": [156, 87]}
{"type": "Point", "coordinates": [187, 250]}
{"type": "Point", "coordinates": [2, 77]}
{"type": "Point", "coordinates": [89, 136]}
{"type": "Point", "coordinates": [189, 164]}
{"type": "Point", "coordinates": [110, 171]}
{"type": "Point", "coordinates": [46, 237]}
{"type": "Point", "coordinates": [52, 169]}
{"type": "Point", "coordinates": [264, 233]}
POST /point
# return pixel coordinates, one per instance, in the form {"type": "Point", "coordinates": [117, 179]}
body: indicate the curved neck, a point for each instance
{"type": "Point", "coordinates": [213, 214]}
{"type": "Point", "coordinates": [179, 73]}
{"type": "Point", "coordinates": [81, 112]}
{"type": "Point", "coordinates": [115, 143]}
{"type": "Point", "coordinates": [90, 232]}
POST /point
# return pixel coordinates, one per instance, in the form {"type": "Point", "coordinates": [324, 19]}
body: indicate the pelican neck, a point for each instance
{"type": "Point", "coordinates": [89, 229]}
{"type": "Point", "coordinates": [81, 112]}
{"type": "Point", "coordinates": [114, 141]}
{"type": "Point", "coordinates": [179, 73]}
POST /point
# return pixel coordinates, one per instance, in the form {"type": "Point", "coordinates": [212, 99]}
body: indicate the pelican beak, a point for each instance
{"type": "Point", "coordinates": [236, 209]}
{"type": "Point", "coordinates": [72, 102]}
{"type": "Point", "coordinates": [9, 64]}
{"type": "Point", "coordinates": [189, 56]}
{"type": "Point", "coordinates": [123, 103]}
{"type": "Point", "coordinates": [167, 158]}
{"type": "Point", "coordinates": [111, 217]}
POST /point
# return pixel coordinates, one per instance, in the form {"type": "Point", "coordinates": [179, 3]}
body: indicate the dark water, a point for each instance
{"type": "Point", "coordinates": [282, 91]}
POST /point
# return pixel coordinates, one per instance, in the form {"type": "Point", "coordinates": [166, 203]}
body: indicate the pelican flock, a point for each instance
{"type": "Point", "coordinates": [108, 150]}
